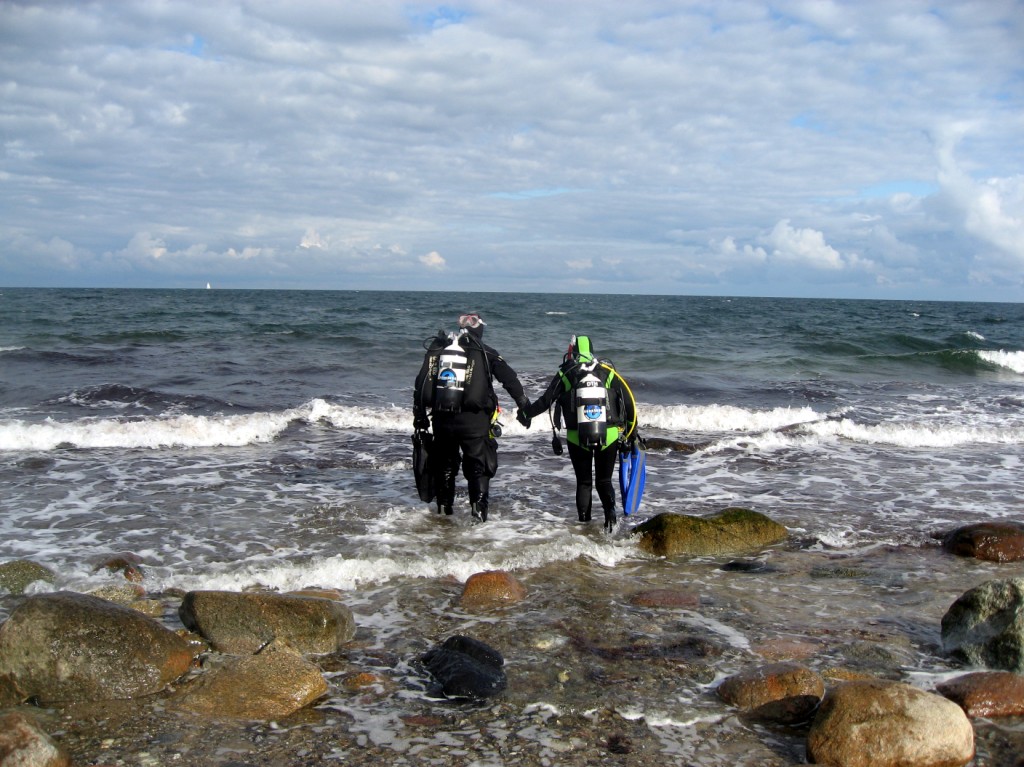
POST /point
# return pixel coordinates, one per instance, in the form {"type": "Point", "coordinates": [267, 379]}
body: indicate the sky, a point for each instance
{"type": "Point", "coordinates": [805, 148]}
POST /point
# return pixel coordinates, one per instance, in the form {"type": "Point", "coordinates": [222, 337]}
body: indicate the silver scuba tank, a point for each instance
{"type": "Point", "coordinates": [591, 411]}
{"type": "Point", "coordinates": [451, 377]}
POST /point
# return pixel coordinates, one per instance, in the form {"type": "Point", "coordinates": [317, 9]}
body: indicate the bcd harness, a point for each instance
{"type": "Point", "coordinates": [452, 384]}
{"type": "Point", "coordinates": [450, 377]}
{"type": "Point", "coordinates": [599, 409]}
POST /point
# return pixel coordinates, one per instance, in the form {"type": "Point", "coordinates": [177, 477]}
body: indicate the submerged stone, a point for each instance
{"type": "Point", "coordinates": [733, 530]}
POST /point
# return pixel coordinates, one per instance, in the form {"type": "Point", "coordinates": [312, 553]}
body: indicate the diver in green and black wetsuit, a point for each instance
{"type": "Point", "coordinates": [599, 413]}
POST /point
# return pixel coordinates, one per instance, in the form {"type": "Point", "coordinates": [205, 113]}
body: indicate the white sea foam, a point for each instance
{"type": "Point", "coordinates": [714, 418]}
{"type": "Point", "coordinates": [1011, 360]}
{"type": "Point", "coordinates": [919, 434]}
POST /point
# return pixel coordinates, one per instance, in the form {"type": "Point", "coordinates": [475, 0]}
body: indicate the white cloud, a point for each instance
{"type": "Point", "coordinates": [506, 135]}
{"type": "Point", "coordinates": [433, 260]}
{"type": "Point", "coordinates": [992, 209]}
{"type": "Point", "coordinates": [805, 247]}
{"type": "Point", "coordinates": [312, 239]}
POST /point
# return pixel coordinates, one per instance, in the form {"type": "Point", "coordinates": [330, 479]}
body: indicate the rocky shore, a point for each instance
{"type": "Point", "coordinates": [127, 677]}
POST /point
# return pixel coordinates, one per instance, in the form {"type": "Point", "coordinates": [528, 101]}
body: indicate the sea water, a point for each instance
{"type": "Point", "coordinates": [261, 439]}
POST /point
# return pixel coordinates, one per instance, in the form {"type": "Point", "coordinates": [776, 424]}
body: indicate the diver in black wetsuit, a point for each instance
{"type": "Point", "coordinates": [593, 427]}
{"type": "Point", "coordinates": [456, 383]}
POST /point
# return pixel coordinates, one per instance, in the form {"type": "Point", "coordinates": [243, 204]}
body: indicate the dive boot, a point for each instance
{"type": "Point", "coordinates": [609, 519]}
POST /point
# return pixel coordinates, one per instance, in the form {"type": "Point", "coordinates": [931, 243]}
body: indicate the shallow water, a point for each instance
{"type": "Point", "coordinates": [261, 439]}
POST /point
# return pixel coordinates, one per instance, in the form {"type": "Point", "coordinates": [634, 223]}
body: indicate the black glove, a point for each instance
{"type": "Point", "coordinates": [523, 418]}
{"type": "Point", "coordinates": [420, 422]}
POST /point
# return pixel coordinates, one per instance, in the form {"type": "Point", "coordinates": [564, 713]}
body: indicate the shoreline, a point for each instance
{"type": "Point", "coordinates": [590, 674]}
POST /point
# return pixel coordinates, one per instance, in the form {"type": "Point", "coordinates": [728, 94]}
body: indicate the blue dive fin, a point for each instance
{"type": "Point", "coordinates": [632, 475]}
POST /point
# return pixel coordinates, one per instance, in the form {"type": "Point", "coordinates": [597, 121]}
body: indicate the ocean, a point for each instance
{"type": "Point", "coordinates": [239, 439]}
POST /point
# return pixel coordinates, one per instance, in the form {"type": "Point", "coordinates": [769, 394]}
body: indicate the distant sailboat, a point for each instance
{"type": "Point", "coordinates": [207, 286]}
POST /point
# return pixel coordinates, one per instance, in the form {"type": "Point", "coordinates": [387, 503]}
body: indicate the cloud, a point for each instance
{"type": "Point", "coordinates": [805, 247]}
{"type": "Point", "coordinates": [312, 239]}
{"type": "Point", "coordinates": [992, 209]}
{"type": "Point", "coordinates": [725, 147]}
{"type": "Point", "coordinates": [433, 260]}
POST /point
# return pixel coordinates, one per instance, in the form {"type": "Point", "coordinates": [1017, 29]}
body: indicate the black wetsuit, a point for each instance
{"type": "Point", "coordinates": [463, 437]}
{"type": "Point", "coordinates": [593, 468]}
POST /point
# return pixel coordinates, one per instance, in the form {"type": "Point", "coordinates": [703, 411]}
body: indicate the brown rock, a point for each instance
{"type": "Point", "coordinates": [275, 682]}
{"type": "Point", "coordinates": [10, 694]}
{"type": "Point", "coordinates": [997, 541]}
{"type": "Point", "coordinates": [490, 588]}
{"type": "Point", "coordinates": [24, 744]}
{"type": "Point", "coordinates": [729, 531]}
{"type": "Point", "coordinates": [889, 724]}
{"type": "Point", "coordinates": [245, 622]}
{"type": "Point", "coordinates": [987, 693]}
{"type": "Point", "coordinates": [781, 692]}
{"type": "Point", "coordinates": [129, 565]}
{"type": "Point", "coordinates": [666, 598]}
{"type": "Point", "coordinates": [74, 647]}
{"type": "Point", "coordinates": [16, 575]}
{"type": "Point", "coordinates": [363, 680]}
{"type": "Point", "coordinates": [786, 649]}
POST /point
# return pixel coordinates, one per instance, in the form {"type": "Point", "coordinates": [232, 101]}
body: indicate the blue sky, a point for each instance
{"type": "Point", "coordinates": [794, 148]}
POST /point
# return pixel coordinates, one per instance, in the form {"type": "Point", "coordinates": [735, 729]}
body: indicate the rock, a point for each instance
{"type": "Point", "coordinates": [729, 531]}
{"type": "Point", "coordinates": [10, 693]}
{"type": "Point", "coordinates": [889, 724]}
{"type": "Point", "coordinates": [17, 575]}
{"type": "Point", "coordinates": [780, 649]}
{"type": "Point", "coordinates": [466, 668]}
{"type": "Point", "coordinates": [673, 446]}
{"type": "Point", "coordinates": [129, 565]}
{"type": "Point", "coordinates": [490, 588]}
{"type": "Point", "coordinates": [985, 626]}
{"type": "Point", "coordinates": [666, 598]}
{"type": "Point", "coordinates": [74, 647]}
{"type": "Point", "coordinates": [273, 683]}
{"type": "Point", "coordinates": [243, 623]}
{"type": "Point", "coordinates": [24, 744]}
{"type": "Point", "coordinates": [786, 693]}
{"type": "Point", "coordinates": [996, 541]}
{"type": "Point", "coordinates": [987, 693]}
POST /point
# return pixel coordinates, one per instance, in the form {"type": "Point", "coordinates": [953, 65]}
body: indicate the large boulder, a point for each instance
{"type": "Point", "coordinates": [996, 541]}
{"type": "Point", "coordinates": [464, 667]}
{"type": "Point", "coordinates": [987, 693]}
{"type": "Point", "coordinates": [985, 626]}
{"type": "Point", "coordinates": [274, 683]}
{"type": "Point", "coordinates": [730, 531]}
{"type": "Point", "coordinates": [18, 574]}
{"type": "Point", "coordinates": [787, 693]}
{"type": "Point", "coordinates": [491, 588]}
{"type": "Point", "coordinates": [74, 647]}
{"type": "Point", "coordinates": [244, 623]}
{"type": "Point", "coordinates": [879, 723]}
{"type": "Point", "coordinates": [24, 744]}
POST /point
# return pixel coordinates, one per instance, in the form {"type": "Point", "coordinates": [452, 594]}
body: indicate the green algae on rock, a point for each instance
{"type": "Point", "coordinates": [730, 531]}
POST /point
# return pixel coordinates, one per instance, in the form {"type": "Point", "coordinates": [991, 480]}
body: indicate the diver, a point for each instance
{"type": "Point", "coordinates": [600, 415]}
{"type": "Point", "coordinates": [455, 384]}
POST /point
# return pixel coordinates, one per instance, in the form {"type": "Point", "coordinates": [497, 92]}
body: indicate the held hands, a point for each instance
{"type": "Point", "coordinates": [523, 418]}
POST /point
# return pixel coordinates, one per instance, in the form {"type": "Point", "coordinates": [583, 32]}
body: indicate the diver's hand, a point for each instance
{"type": "Point", "coordinates": [523, 418]}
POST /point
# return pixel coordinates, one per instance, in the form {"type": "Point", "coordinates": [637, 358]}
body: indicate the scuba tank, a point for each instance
{"type": "Point", "coordinates": [450, 382]}
{"type": "Point", "coordinates": [591, 402]}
